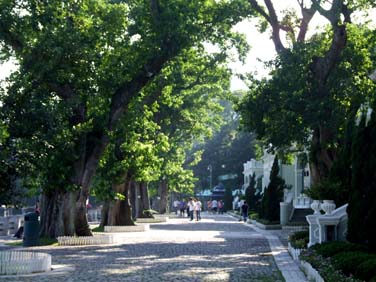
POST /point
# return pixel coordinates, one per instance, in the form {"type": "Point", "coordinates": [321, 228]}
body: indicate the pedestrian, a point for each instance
{"type": "Point", "coordinates": [244, 209]}
{"type": "Point", "coordinates": [220, 207]}
{"type": "Point", "coordinates": [182, 207]}
{"type": "Point", "coordinates": [197, 208]}
{"type": "Point", "coordinates": [209, 204]}
{"type": "Point", "coordinates": [176, 204]}
{"type": "Point", "coordinates": [191, 208]}
{"type": "Point", "coordinates": [214, 206]}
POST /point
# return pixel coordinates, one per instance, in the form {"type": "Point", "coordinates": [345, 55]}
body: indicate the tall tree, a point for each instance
{"type": "Point", "coordinates": [80, 65]}
{"type": "Point", "coordinates": [315, 84]}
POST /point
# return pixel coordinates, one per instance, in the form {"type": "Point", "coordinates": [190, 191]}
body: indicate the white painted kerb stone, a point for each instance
{"type": "Point", "coordinates": [126, 228]}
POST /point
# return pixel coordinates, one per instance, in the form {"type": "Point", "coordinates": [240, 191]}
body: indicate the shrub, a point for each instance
{"type": "Point", "coordinates": [300, 239]}
{"type": "Point", "coordinates": [329, 249]}
{"type": "Point", "coordinates": [348, 262]}
{"type": "Point", "coordinates": [367, 270]}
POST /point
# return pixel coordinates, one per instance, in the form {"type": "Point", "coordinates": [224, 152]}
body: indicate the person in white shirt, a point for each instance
{"type": "Point", "coordinates": [198, 209]}
{"type": "Point", "coordinates": [191, 208]}
{"type": "Point", "coordinates": [214, 206]}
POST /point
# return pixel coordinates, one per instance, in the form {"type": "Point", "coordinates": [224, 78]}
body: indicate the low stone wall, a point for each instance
{"type": "Point", "coordinates": [15, 262]}
{"type": "Point", "coordinates": [152, 220]}
{"type": "Point", "coordinates": [104, 239]}
{"type": "Point", "coordinates": [311, 273]}
{"type": "Point", "coordinates": [267, 226]}
{"type": "Point", "coordinates": [127, 228]}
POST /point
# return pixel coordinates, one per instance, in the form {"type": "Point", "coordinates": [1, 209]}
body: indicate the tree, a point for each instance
{"type": "Point", "coordinates": [250, 194]}
{"type": "Point", "coordinates": [273, 195]}
{"type": "Point", "coordinates": [80, 66]}
{"type": "Point", "coordinates": [303, 102]}
{"type": "Point", "coordinates": [362, 203]}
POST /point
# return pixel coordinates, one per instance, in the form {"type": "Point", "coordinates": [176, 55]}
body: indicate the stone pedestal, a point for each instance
{"type": "Point", "coordinates": [285, 209]}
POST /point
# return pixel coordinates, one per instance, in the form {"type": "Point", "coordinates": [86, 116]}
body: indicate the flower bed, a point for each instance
{"type": "Point", "coordinates": [341, 262]}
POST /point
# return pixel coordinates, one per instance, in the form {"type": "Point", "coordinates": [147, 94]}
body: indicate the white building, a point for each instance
{"type": "Point", "coordinates": [296, 176]}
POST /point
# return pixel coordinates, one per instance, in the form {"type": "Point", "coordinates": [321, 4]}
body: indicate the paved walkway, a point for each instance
{"type": "Point", "coordinates": [218, 248]}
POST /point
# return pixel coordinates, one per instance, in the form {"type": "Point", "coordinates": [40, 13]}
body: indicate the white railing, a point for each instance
{"type": "Point", "coordinates": [295, 253]}
{"type": "Point", "coordinates": [14, 262]}
{"type": "Point", "coordinates": [85, 240]}
{"type": "Point", "coordinates": [302, 202]}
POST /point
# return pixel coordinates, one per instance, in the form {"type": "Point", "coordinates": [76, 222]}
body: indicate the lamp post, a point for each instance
{"type": "Point", "coordinates": [210, 168]}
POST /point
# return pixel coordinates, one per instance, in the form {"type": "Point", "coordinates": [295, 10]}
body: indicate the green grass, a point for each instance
{"type": "Point", "coordinates": [44, 241]}
{"type": "Point", "coordinates": [98, 229]}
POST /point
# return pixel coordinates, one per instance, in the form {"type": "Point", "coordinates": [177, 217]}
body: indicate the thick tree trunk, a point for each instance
{"type": "Point", "coordinates": [57, 214]}
{"type": "Point", "coordinates": [133, 193]}
{"type": "Point", "coordinates": [144, 203]}
{"type": "Point", "coordinates": [321, 160]}
{"type": "Point", "coordinates": [120, 211]}
{"type": "Point", "coordinates": [104, 214]}
{"type": "Point", "coordinates": [163, 194]}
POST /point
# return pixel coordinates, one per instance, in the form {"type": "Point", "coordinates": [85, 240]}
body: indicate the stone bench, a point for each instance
{"type": "Point", "coordinates": [15, 262]}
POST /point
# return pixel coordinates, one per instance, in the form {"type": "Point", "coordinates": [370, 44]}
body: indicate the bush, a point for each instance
{"type": "Point", "coordinates": [348, 262]}
{"type": "Point", "coordinates": [367, 270]}
{"type": "Point", "coordinates": [330, 249]}
{"type": "Point", "coordinates": [299, 240]}
{"type": "Point", "coordinates": [253, 215]}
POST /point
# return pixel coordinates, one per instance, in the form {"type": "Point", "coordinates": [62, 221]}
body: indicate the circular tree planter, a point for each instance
{"type": "Point", "coordinates": [15, 262]}
{"type": "Point", "coordinates": [127, 228]}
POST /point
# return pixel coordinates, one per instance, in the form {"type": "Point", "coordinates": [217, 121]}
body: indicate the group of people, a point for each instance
{"type": "Point", "coordinates": [215, 206]}
{"type": "Point", "coordinates": [193, 208]}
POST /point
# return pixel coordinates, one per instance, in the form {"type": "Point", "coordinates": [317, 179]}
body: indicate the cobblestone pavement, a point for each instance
{"type": "Point", "coordinates": [217, 248]}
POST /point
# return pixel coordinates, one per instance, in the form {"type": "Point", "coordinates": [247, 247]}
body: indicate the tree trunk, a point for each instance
{"type": "Point", "coordinates": [120, 211]}
{"type": "Point", "coordinates": [321, 160]}
{"type": "Point", "coordinates": [144, 203]}
{"type": "Point", "coordinates": [133, 193]}
{"type": "Point", "coordinates": [163, 194]}
{"type": "Point", "coordinates": [104, 214]}
{"type": "Point", "coordinates": [58, 213]}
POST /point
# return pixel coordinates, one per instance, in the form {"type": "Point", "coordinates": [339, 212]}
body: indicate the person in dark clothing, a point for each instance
{"type": "Point", "coordinates": [19, 233]}
{"type": "Point", "coordinates": [245, 211]}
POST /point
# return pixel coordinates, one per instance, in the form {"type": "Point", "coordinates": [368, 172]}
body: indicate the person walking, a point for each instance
{"type": "Point", "coordinates": [214, 206]}
{"type": "Point", "coordinates": [182, 207]}
{"type": "Point", "coordinates": [220, 207]}
{"type": "Point", "coordinates": [198, 205]}
{"type": "Point", "coordinates": [244, 209]}
{"type": "Point", "coordinates": [191, 208]}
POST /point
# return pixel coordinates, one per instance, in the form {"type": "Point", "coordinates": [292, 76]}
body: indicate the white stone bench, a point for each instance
{"type": "Point", "coordinates": [15, 262]}
{"type": "Point", "coordinates": [103, 239]}
{"type": "Point", "coordinates": [127, 228]}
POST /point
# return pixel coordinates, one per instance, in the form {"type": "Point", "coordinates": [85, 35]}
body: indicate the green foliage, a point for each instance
{"type": "Point", "coordinates": [284, 109]}
{"type": "Point", "coordinates": [299, 239]}
{"type": "Point", "coordinates": [273, 195]}
{"type": "Point", "coordinates": [251, 197]}
{"type": "Point", "coordinates": [362, 204]}
{"type": "Point", "coordinates": [330, 249]}
{"type": "Point", "coordinates": [325, 190]}
{"type": "Point", "coordinates": [348, 262]}
{"type": "Point", "coordinates": [367, 270]}
{"type": "Point", "coordinates": [325, 268]}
